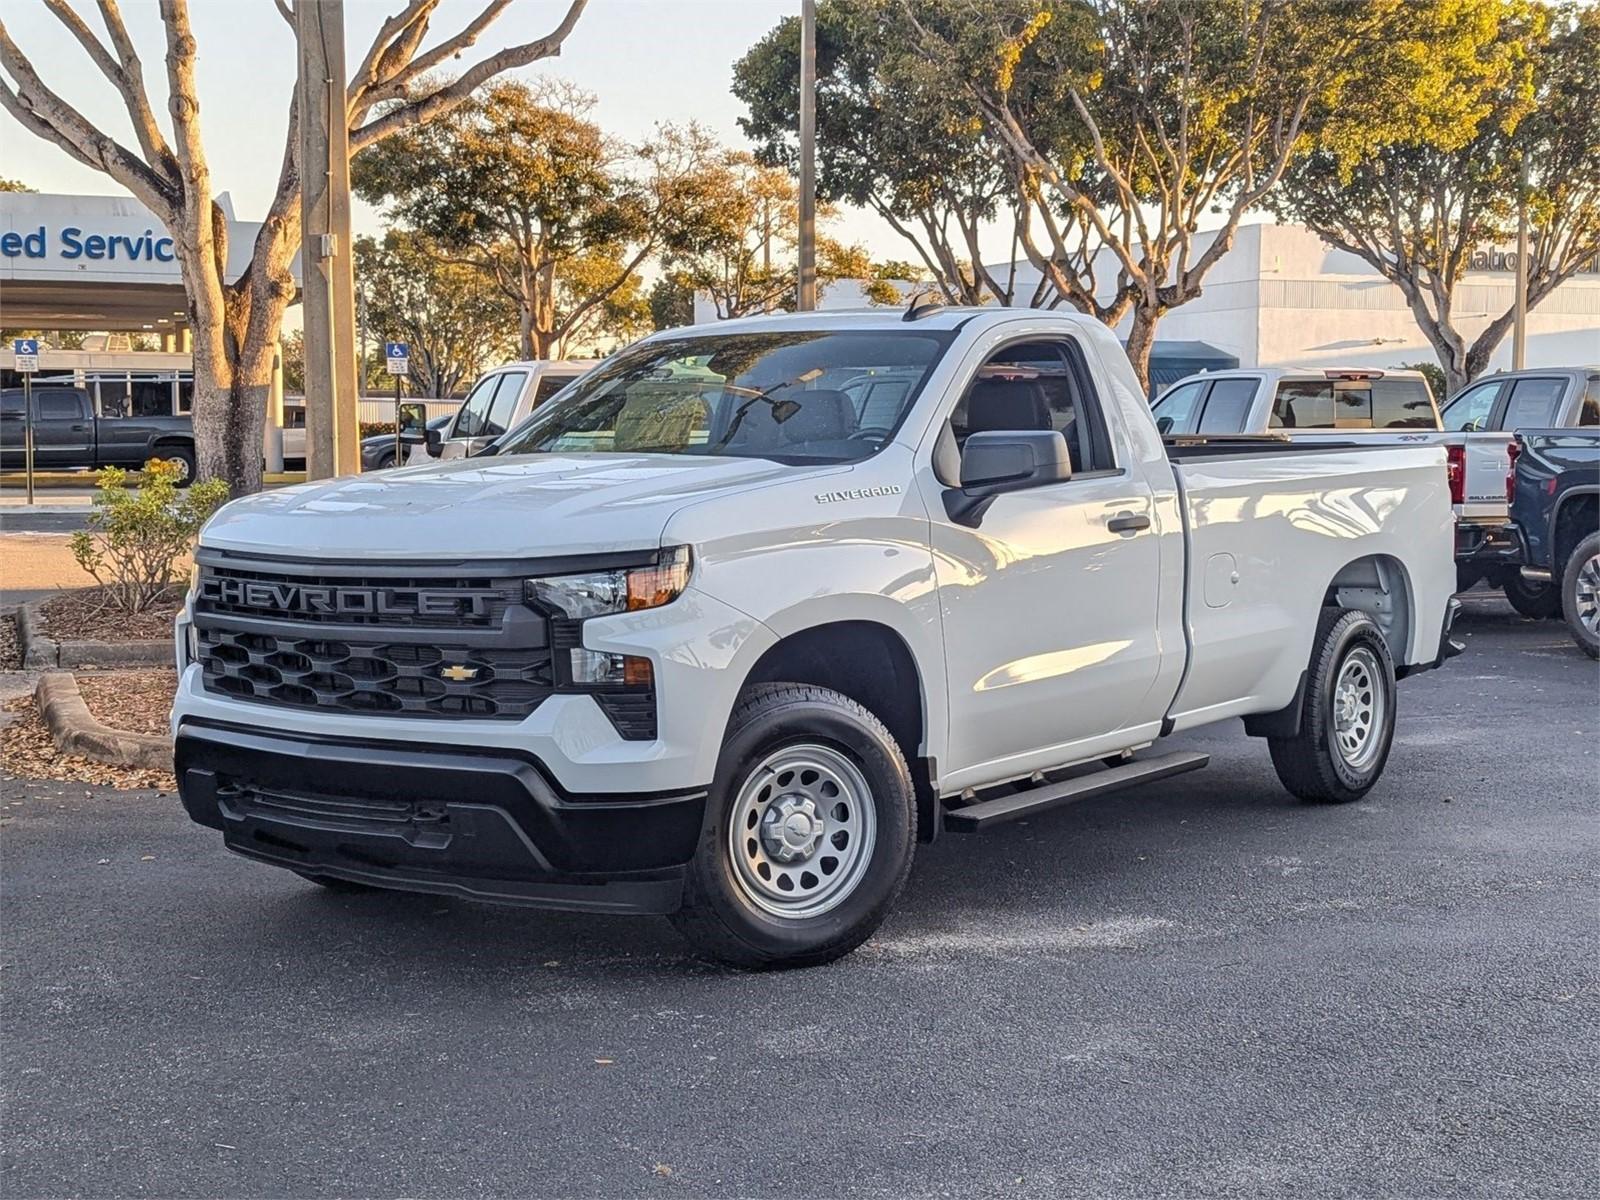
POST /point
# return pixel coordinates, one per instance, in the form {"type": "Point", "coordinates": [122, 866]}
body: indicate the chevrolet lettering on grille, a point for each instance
{"type": "Point", "coordinates": [326, 600]}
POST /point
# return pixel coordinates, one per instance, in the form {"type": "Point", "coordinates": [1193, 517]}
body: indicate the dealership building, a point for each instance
{"type": "Point", "coordinates": [1283, 297]}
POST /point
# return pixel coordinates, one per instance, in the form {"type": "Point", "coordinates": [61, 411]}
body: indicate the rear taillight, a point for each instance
{"type": "Point", "coordinates": [1455, 470]}
{"type": "Point", "coordinates": [1512, 451]}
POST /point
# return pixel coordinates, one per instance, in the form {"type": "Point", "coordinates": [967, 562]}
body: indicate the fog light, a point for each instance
{"type": "Point", "coordinates": [598, 668]}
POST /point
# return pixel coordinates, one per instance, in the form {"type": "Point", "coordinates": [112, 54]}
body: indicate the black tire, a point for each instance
{"type": "Point", "coordinates": [1583, 570]}
{"type": "Point", "coordinates": [183, 456]}
{"type": "Point", "coordinates": [1537, 601]}
{"type": "Point", "coordinates": [1310, 763]}
{"type": "Point", "coordinates": [343, 886]}
{"type": "Point", "coordinates": [719, 917]}
{"type": "Point", "coordinates": [385, 461]}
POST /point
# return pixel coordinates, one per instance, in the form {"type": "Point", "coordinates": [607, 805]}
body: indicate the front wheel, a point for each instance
{"type": "Point", "coordinates": [1347, 721]}
{"type": "Point", "coordinates": [1580, 592]}
{"type": "Point", "coordinates": [1539, 601]}
{"type": "Point", "coordinates": [809, 832]}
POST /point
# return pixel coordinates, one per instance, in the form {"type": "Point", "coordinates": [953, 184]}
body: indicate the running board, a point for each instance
{"type": "Point", "coordinates": [974, 818]}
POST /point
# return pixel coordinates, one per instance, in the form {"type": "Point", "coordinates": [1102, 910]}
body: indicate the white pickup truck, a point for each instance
{"type": "Point", "coordinates": [1480, 425]}
{"type": "Point", "coordinates": [728, 627]}
{"type": "Point", "coordinates": [1328, 403]}
{"type": "Point", "coordinates": [500, 399]}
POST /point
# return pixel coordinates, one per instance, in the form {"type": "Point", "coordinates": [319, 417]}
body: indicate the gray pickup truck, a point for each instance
{"type": "Point", "coordinates": [67, 433]}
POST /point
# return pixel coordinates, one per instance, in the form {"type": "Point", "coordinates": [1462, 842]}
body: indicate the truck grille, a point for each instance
{"type": "Point", "coordinates": [347, 676]}
{"type": "Point", "coordinates": [371, 643]}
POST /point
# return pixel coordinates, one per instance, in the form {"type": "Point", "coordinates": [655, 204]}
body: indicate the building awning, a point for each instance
{"type": "Point", "coordinates": [1170, 361]}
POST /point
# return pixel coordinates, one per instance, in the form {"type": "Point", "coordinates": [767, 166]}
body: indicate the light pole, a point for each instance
{"type": "Point", "coordinates": [1519, 332]}
{"type": "Point", "coordinates": [332, 431]}
{"type": "Point", "coordinates": [807, 300]}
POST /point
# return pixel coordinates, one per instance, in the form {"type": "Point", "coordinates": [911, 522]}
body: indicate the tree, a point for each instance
{"type": "Point", "coordinates": [14, 185]}
{"type": "Point", "coordinates": [671, 302]}
{"type": "Point", "coordinates": [524, 185]}
{"type": "Point", "coordinates": [1420, 211]}
{"type": "Point", "coordinates": [236, 322]}
{"type": "Point", "coordinates": [892, 135]}
{"type": "Point", "coordinates": [1130, 123]}
{"type": "Point", "coordinates": [415, 294]}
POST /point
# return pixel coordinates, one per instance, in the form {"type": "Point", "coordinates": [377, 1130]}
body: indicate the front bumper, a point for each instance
{"type": "Point", "coordinates": [482, 824]}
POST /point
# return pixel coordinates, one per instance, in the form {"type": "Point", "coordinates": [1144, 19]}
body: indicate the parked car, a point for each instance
{"type": "Point", "coordinates": [712, 643]}
{"type": "Point", "coordinates": [1555, 515]}
{"type": "Point", "coordinates": [501, 399]}
{"type": "Point", "coordinates": [1331, 403]}
{"type": "Point", "coordinates": [68, 434]}
{"type": "Point", "coordinates": [378, 452]}
{"type": "Point", "coordinates": [1479, 422]}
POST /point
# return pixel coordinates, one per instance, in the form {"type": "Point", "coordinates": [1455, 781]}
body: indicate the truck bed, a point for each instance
{"type": "Point", "coordinates": [1269, 527]}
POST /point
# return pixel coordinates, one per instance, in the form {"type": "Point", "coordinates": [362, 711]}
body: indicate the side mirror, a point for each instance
{"type": "Point", "coordinates": [413, 423]}
{"type": "Point", "coordinates": [434, 440]}
{"type": "Point", "coordinates": [1005, 461]}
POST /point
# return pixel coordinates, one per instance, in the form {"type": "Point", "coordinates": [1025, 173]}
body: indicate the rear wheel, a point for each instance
{"type": "Point", "coordinates": [1540, 601]}
{"type": "Point", "coordinates": [1580, 592]}
{"type": "Point", "coordinates": [1347, 720]}
{"type": "Point", "coordinates": [181, 457]}
{"type": "Point", "coordinates": [809, 832]}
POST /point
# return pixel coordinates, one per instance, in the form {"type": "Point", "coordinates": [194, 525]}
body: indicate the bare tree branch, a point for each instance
{"type": "Point", "coordinates": [45, 113]}
{"type": "Point", "coordinates": [438, 103]}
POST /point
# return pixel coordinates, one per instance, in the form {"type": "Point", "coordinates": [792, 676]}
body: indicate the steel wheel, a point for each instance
{"type": "Point", "coordinates": [801, 832]}
{"type": "Point", "coordinates": [1358, 712]}
{"type": "Point", "coordinates": [1587, 595]}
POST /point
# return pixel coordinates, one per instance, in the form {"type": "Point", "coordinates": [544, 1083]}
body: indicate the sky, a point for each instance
{"type": "Point", "coordinates": [646, 61]}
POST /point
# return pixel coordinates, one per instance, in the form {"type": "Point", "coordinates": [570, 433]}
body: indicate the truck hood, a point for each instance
{"type": "Point", "coordinates": [528, 506]}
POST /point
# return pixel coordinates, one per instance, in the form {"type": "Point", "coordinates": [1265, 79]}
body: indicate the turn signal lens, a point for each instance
{"type": "Point", "coordinates": [651, 587]}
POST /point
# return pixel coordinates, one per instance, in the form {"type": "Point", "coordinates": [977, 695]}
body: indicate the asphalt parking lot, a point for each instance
{"type": "Point", "coordinates": [1202, 988]}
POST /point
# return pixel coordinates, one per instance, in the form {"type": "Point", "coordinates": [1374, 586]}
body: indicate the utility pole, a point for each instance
{"type": "Point", "coordinates": [332, 429]}
{"type": "Point", "coordinates": [807, 300]}
{"type": "Point", "coordinates": [1519, 332]}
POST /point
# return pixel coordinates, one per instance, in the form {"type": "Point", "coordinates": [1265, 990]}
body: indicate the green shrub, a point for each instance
{"type": "Point", "coordinates": [136, 537]}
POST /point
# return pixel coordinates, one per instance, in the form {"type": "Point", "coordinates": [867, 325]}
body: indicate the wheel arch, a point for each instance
{"type": "Point", "coordinates": [1380, 586]}
{"type": "Point", "coordinates": [874, 665]}
{"type": "Point", "coordinates": [1568, 525]}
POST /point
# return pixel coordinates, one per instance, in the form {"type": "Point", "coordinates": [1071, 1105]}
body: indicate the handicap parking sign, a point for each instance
{"type": "Point", "coordinates": [27, 352]}
{"type": "Point", "coordinates": [398, 356]}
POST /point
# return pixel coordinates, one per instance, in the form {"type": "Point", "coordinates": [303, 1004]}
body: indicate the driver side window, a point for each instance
{"type": "Point", "coordinates": [473, 418]}
{"type": "Point", "coordinates": [1469, 411]}
{"type": "Point", "coordinates": [1032, 386]}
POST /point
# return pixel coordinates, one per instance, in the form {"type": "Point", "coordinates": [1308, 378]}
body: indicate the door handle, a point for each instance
{"type": "Point", "coordinates": [1128, 523]}
{"type": "Point", "coordinates": [79, 428]}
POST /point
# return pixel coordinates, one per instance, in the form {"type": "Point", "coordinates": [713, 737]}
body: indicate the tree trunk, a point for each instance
{"type": "Point", "coordinates": [1141, 340]}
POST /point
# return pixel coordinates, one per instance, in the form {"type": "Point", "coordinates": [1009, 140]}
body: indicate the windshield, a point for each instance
{"type": "Point", "coordinates": [796, 396]}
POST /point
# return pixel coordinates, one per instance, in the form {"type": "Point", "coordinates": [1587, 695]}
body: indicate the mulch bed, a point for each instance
{"type": "Point", "coordinates": [10, 648]}
{"type": "Point", "coordinates": [87, 616]}
{"type": "Point", "coordinates": [134, 701]}
{"type": "Point", "coordinates": [27, 751]}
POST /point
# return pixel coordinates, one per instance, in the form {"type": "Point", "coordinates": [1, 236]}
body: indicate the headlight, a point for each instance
{"type": "Point", "coordinates": [626, 589]}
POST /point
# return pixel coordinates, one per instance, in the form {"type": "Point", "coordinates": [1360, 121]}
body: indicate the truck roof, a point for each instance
{"type": "Point", "coordinates": [886, 318]}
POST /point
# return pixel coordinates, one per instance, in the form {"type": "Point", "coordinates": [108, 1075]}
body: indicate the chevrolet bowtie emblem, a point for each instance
{"type": "Point", "coordinates": [458, 673]}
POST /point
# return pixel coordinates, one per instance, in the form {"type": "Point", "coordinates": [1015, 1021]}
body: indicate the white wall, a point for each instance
{"type": "Point", "coordinates": [1281, 297]}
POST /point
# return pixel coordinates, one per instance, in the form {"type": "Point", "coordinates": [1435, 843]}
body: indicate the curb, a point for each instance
{"type": "Point", "coordinates": [76, 731]}
{"type": "Point", "coordinates": [40, 653]}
